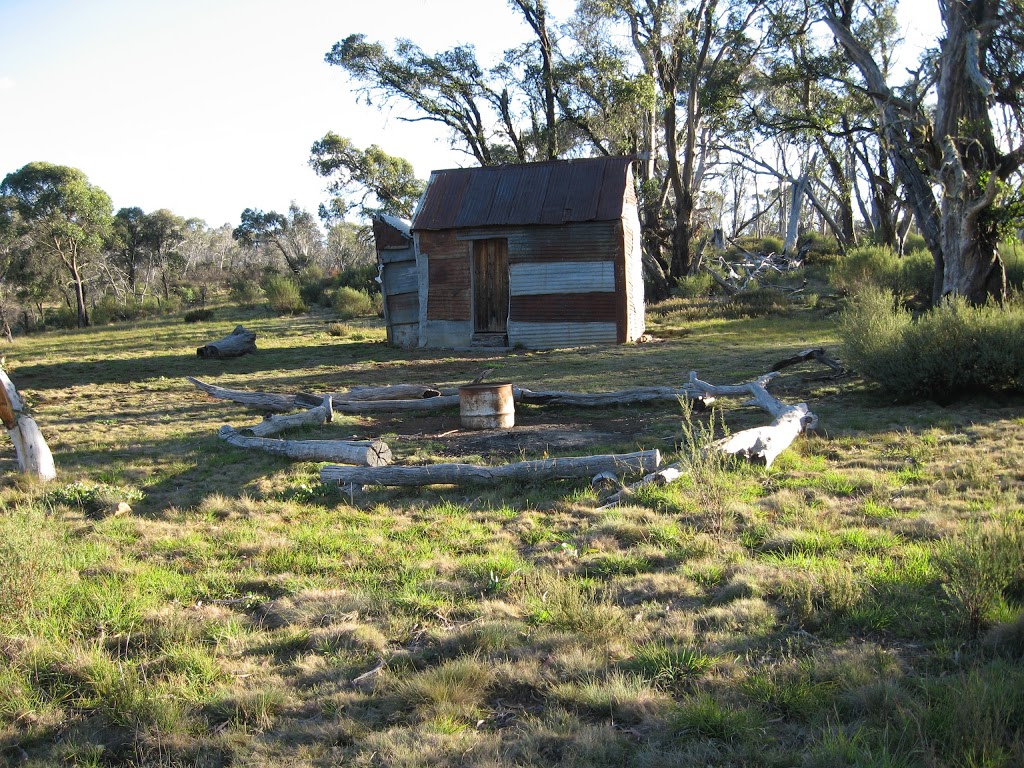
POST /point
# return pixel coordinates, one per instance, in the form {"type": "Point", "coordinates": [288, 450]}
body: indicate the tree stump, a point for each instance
{"type": "Point", "coordinates": [237, 343]}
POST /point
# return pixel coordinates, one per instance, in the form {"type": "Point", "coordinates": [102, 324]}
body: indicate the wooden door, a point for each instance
{"type": "Point", "coordinates": [490, 286]}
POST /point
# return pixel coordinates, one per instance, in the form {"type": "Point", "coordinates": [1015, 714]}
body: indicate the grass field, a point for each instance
{"type": "Point", "coordinates": [857, 604]}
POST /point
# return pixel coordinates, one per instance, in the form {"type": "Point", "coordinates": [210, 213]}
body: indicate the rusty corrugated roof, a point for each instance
{"type": "Point", "coordinates": [553, 192]}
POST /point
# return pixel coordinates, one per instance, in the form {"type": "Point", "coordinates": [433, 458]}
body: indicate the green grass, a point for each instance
{"type": "Point", "coordinates": [858, 603]}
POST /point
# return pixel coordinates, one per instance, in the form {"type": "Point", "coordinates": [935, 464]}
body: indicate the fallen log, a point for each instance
{"type": "Point", "coordinates": [390, 392]}
{"type": "Point", "coordinates": [320, 414]}
{"type": "Point", "coordinates": [632, 396]}
{"type": "Point", "coordinates": [457, 474]}
{"type": "Point", "coordinates": [390, 406]}
{"type": "Point", "coordinates": [34, 456]}
{"type": "Point", "coordinates": [366, 453]}
{"type": "Point", "coordinates": [261, 401]}
{"type": "Point", "coordinates": [237, 343]}
{"type": "Point", "coordinates": [761, 445]}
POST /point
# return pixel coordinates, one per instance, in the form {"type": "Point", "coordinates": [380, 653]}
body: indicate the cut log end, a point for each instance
{"type": "Point", "coordinates": [378, 454]}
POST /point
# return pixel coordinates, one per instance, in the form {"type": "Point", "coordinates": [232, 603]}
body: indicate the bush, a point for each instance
{"type": "Point", "coordinates": [770, 245]}
{"type": "Point", "coordinates": [350, 303]}
{"type": "Point", "coordinates": [692, 286]}
{"type": "Point", "coordinates": [362, 278]}
{"type": "Point", "coordinates": [245, 292]}
{"type": "Point", "coordinates": [877, 266]}
{"type": "Point", "coordinates": [950, 351]}
{"type": "Point", "coordinates": [314, 285]}
{"type": "Point", "coordinates": [198, 315]}
{"type": "Point", "coordinates": [283, 295]}
{"type": "Point", "coordinates": [1013, 259]}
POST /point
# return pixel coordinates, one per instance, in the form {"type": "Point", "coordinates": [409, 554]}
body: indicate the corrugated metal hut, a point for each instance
{"type": "Point", "coordinates": [538, 255]}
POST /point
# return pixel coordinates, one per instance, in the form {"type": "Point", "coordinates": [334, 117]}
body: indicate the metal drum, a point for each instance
{"type": "Point", "coordinates": [487, 406]}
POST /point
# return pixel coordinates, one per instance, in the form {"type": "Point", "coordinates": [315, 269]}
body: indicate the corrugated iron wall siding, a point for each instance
{"type": "Point", "coordinates": [400, 287]}
{"type": "Point", "coordinates": [449, 295]}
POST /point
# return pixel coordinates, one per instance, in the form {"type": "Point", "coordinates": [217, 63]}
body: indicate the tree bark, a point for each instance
{"type": "Point", "coordinates": [237, 343]}
{"type": "Point", "coordinates": [457, 474]}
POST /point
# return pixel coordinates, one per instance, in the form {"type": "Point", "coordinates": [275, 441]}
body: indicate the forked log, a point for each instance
{"type": "Point", "coordinates": [34, 457]}
{"type": "Point", "coordinates": [761, 445]}
{"type": "Point", "coordinates": [457, 474]}
{"type": "Point", "coordinates": [366, 453]}
{"type": "Point", "coordinates": [237, 343]}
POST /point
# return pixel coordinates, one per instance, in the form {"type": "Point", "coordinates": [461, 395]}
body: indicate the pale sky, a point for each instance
{"type": "Point", "coordinates": [208, 107]}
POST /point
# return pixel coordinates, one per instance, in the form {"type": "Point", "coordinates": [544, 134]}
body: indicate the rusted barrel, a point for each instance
{"type": "Point", "coordinates": [487, 406]}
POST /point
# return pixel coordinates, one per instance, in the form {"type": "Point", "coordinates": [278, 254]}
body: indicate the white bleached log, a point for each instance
{"type": "Point", "coordinates": [34, 456]}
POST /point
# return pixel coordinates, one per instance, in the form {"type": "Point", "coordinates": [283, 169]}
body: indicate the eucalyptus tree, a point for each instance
{"type": "Point", "coordinates": [163, 231]}
{"type": "Point", "coordinates": [127, 246]}
{"type": "Point", "coordinates": [961, 172]}
{"type": "Point", "coordinates": [382, 183]}
{"type": "Point", "coordinates": [295, 236]}
{"type": "Point", "coordinates": [699, 54]}
{"type": "Point", "coordinates": [57, 216]}
{"type": "Point", "coordinates": [450, 88]}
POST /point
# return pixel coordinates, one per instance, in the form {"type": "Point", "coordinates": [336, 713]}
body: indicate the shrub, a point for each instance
{"type": "Point", "coordinates": [246, 293]}
{"type": "Point", "coordinates": [283, 295]}
{"type": "Point", "coordinates": [362, 278]}
{"type": "Point", "coordinates": [313, 285]}
{"type": "Point", "coordinates": [198, 315]}
{"type": "Point", "coordinates": [1013, 259]}
{"type": "Point", "coordinates": [878, 266]}
{"type": "Point", "coordinates": [350, 303]}
{"type": "Point", "coordinates": [949, 351]}
{"type": "Point", "coordinates": [770, 245]}
{"type": "Point", "coordinates": [692, 286]}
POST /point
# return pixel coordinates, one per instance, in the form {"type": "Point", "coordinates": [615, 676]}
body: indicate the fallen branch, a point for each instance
{"type": "Point", "coordinates": [367, 453]}
{"type": "Point", "coordinates": [261, 401]}
{"type": "Point", "coordinates": [761, 444]}
{"type": "Point", "coordinates": [321, 414]}
{"type": "Point", "coordinates": [806, 355]}
{"type": "Point", "coordinates": [34, 457]}
{"type": "Point", "coordinates": [457, 474]}
{"type": "Point", "coordinates": [237, 343]}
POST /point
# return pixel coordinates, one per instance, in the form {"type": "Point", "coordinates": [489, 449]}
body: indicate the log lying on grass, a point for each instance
{"type": "Point", "coordinates": [260, 401]}
{"type": "Point", "coordinates": [366, 453]}
{"type": "Point", "coordinates": [237, 343]}
{"type": "Point", "coordinates": [632, 396]}
{"type": "Point", "coordinates": [457, 474]}
{"type": "Point", "coordinates": [760, 445]}
{"type": "Point", "coordinates": [321, 414]}
{"type": "Point", "coordinates": [34, 457]}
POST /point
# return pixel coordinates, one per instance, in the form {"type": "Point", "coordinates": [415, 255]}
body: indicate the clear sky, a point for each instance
{"type": "Point", "coordinates": [208, 107]}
